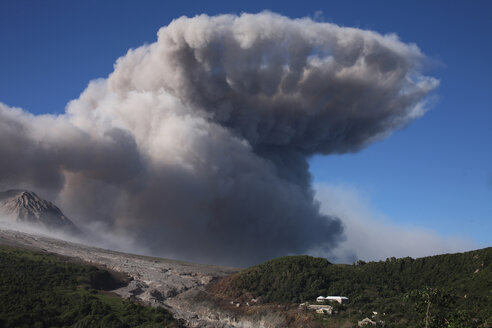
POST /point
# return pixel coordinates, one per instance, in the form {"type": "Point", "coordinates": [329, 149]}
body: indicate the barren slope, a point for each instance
{"type": "Point", "coordinates": [159, 282]}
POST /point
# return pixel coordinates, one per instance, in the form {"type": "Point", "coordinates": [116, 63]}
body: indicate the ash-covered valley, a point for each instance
{"type": "Point", "coordinates": [159, 282]}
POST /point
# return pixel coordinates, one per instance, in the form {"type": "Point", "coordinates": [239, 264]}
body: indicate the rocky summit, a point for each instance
{"type": "Point", "coordinates": [25, 207]}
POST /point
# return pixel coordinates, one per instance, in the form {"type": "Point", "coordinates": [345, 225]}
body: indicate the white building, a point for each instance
{"type": "Point", "coordinates": [321, 309]}
{"type": "Point", "coordinates": [339, 299]}
{"type": "Point", "coordinates": [325, 310]}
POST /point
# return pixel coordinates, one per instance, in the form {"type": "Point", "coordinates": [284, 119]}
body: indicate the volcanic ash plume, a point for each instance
{"type": "Point", "coordinates": [196, 146]}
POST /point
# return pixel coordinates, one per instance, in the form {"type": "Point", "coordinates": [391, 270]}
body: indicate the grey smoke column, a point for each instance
{"type": "Point", "coordinates": [197, 145]}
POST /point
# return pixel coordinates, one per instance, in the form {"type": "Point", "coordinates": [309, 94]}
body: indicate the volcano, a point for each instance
{"type": "Point", "coordinates": [25, 207]}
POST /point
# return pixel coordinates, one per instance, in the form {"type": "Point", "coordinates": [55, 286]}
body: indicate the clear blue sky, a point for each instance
{"type": "Point", "coordinates": [436, 173]}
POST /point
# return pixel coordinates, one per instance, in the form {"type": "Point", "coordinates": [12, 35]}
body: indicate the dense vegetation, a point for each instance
{"type": "Point", "coordinates": [41, 290]}
{"type": "Point", "coordinates": [457, 288]}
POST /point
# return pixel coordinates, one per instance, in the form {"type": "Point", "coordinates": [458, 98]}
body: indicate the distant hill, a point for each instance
{"type": "Point", "coordinates": [463, 282]}
{"type": "Point", "coordinates": [23, 206]}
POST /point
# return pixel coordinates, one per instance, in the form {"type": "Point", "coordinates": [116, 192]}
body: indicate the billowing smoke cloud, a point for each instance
{"type": "Point", "coordinates": [196, 145]}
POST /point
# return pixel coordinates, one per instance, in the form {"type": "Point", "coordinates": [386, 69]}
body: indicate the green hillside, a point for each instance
{"type": "Point", "coordinates": [457, 286]}
{"type": "Point", "coordinates": [41, 290]}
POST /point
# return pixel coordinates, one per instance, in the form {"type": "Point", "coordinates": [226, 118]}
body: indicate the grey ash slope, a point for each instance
{"type": "Point", "coordinates": [25, 207]}
{"type": "Point", "coordinates": [160, 282]}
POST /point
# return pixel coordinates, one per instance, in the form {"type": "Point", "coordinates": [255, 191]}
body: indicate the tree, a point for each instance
{"type": "Point", "coordinates": [426, 298]}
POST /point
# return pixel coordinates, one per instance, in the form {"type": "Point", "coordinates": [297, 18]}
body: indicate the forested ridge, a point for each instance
{"type": "Point", "coordinates": [457, 286]}
{"type": "Point", "coordinates": [45, 290]}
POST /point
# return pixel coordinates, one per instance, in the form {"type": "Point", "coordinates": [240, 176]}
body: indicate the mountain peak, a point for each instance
{"type": "Point", "coordinates": [27, 207]}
